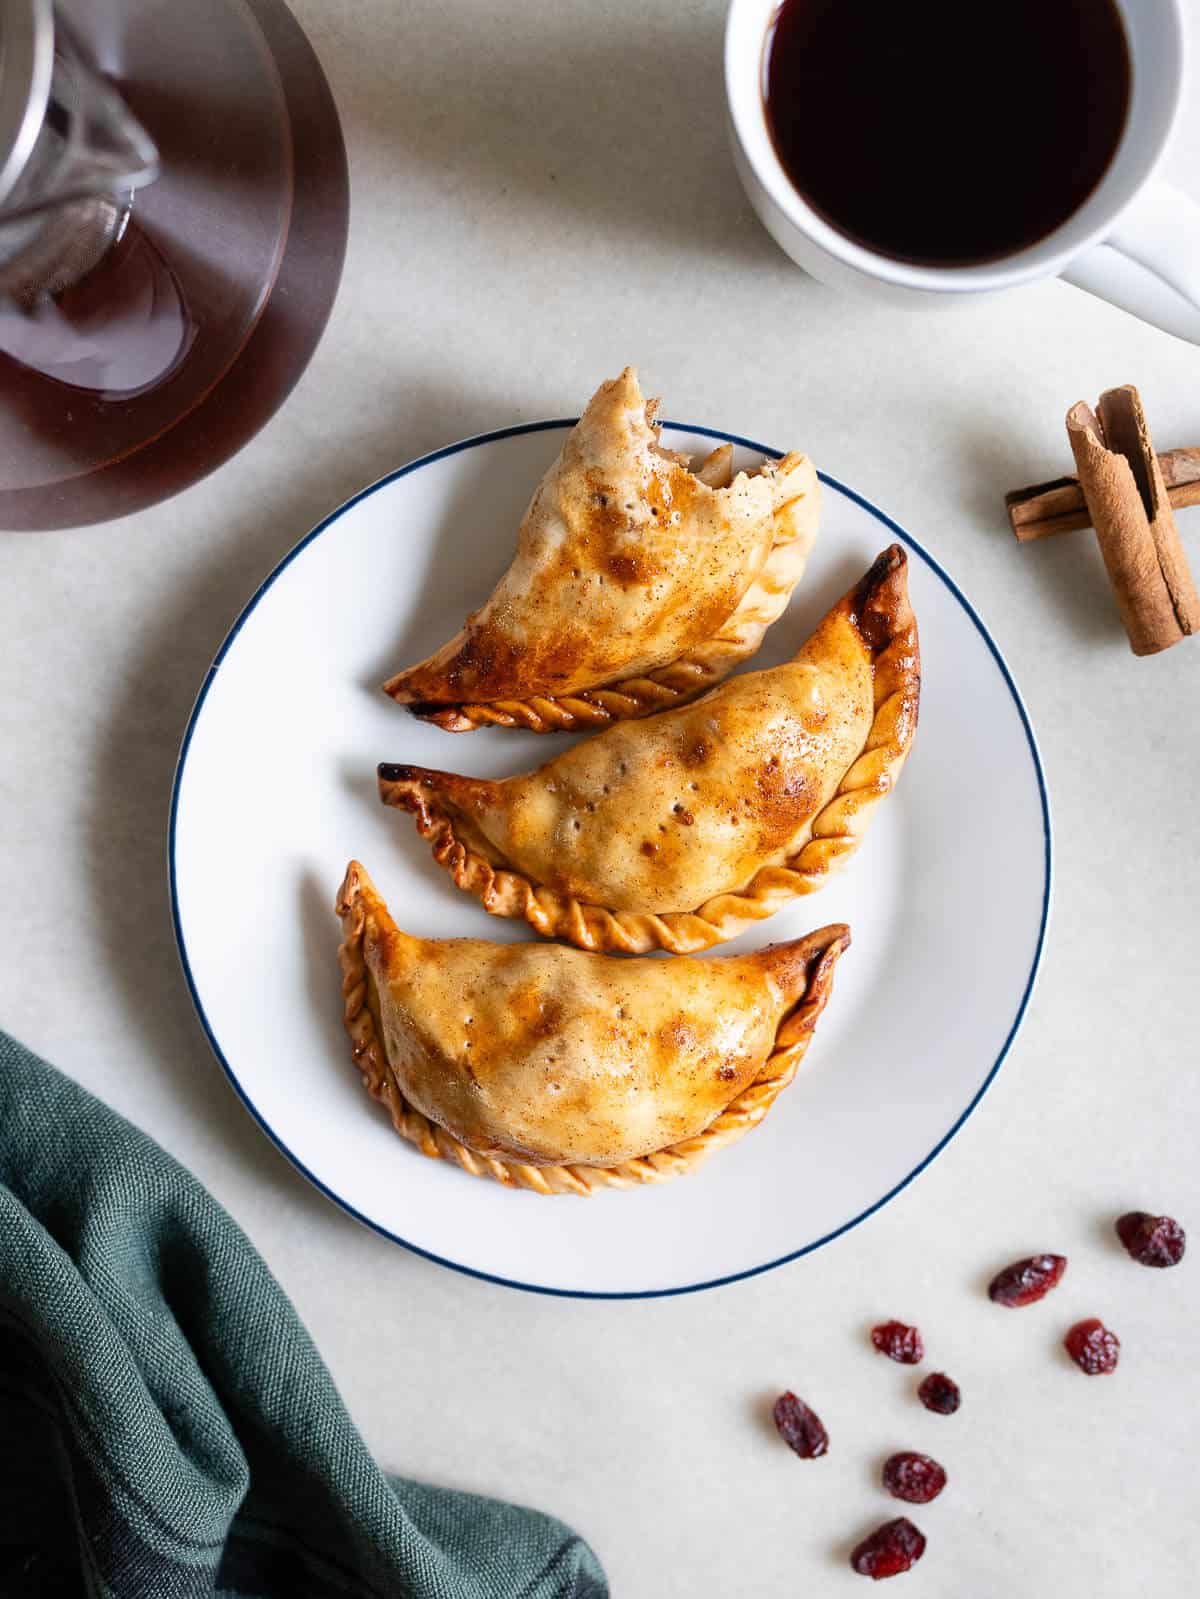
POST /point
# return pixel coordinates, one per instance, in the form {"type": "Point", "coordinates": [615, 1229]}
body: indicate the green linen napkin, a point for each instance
{"type": "Point", "coordinates": [167, 1429]}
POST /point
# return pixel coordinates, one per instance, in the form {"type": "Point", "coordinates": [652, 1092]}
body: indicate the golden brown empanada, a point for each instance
{"type": "Point", "coordinates": [565, 1072]}
{"type": "Point", "coordinates": [637, 583]}
{"type": "Point", "coordinates": [677, 832]}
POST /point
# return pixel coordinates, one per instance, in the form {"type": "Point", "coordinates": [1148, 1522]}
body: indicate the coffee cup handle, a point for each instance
{"type": "Point", "coordinates": [1150, 264]}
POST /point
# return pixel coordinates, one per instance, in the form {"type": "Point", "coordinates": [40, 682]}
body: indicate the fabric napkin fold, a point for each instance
{"type": "Point", "coordinates": [167, 1428]}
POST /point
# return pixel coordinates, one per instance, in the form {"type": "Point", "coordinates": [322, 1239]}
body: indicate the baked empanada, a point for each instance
{"type": "Point", "coordinates": [637, 582]}
{"type": "Point", "coordinates": [679, 831]}
{"type": "Point", "coordinates": [564, 1072]}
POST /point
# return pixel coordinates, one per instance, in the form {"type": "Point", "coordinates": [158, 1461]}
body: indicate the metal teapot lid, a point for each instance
{"type": "Point", "coordinates": [26, 68]}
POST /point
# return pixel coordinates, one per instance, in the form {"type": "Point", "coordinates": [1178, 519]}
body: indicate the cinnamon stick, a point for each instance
{"type": "Point", "coordinates": [1059, 507]}
{"type": "Point", "coordinates": [1126, 497]}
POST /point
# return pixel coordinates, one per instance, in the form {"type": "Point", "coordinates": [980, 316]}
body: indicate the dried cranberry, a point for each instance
{"type": "Point", "coordinates": [898, 1342]}
{"type": "Point", "coordinates": [891, 1549]}
{"type": "Point", "coordinates": [941, 1393]}
{"type": "Point", "coordinates": [1152, 1240]}
{"type": "Point", "coordinates": [1026, 1281]}
{"type": "Point", "coordinates": [1092, 1347]}
{"type": "Point", "coordinates": [800, 1428]}
{"type": "Point", "coordinates": [914, 1478]}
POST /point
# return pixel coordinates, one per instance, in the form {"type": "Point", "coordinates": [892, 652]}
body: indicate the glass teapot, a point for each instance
{"type": "Point", "coordinates": [144, 337]}
{"type": "Point", "coordinates": [71, 155]}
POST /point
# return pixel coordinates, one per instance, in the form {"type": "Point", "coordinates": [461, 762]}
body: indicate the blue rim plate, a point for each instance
{"type": "Point", "coordinates": [220, 944]}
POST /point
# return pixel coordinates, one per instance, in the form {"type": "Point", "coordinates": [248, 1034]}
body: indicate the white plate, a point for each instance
{"type": "Point", "coordinates": [275, 791]}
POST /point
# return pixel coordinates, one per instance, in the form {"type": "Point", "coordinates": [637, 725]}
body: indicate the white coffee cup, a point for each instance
{"type": "Point", "coordinates": [1134, 242]}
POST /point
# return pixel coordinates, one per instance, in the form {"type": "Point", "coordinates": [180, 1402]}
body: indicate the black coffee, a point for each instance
{"type": "Point", "coordinates": [947, 131]}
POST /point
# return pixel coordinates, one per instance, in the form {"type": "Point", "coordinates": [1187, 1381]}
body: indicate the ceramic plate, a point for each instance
{"type": "Point", "coordinates": [275, 791]}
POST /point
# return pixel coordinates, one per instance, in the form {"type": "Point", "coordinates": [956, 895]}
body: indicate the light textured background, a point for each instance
{"type": "Point", "coordinates": [542, 193]}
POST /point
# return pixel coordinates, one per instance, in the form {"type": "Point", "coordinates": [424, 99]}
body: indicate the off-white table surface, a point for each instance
{"type": "Point", "coordinates": [542, 193]}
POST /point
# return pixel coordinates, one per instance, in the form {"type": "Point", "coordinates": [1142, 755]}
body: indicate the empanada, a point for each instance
{"type": "Point", "coordinates": [564, 1072]}
{"type": "Point", "coordinates": [677, 832]}
{"type": "Point", "coordinates": [637, 583]}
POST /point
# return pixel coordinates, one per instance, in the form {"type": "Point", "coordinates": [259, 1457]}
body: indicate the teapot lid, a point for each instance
{"type": "Point", "coordinates": [26, 67]}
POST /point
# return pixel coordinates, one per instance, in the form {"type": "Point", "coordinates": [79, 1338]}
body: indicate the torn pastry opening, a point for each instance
{"type": "Point", "coordinates": [715, 470]}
